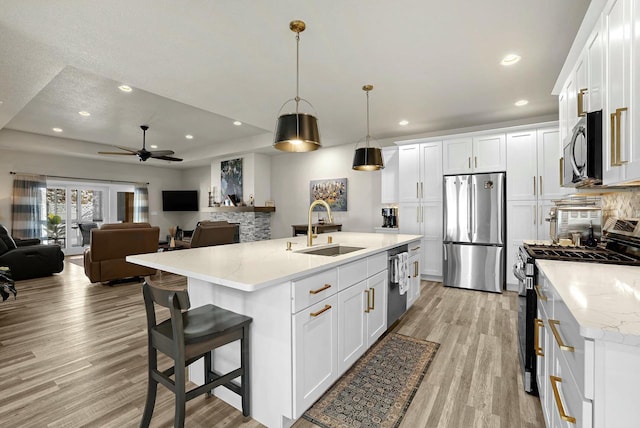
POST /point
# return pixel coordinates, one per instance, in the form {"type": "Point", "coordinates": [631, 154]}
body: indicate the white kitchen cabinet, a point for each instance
{"type": "Point", "coordinates": [563, 106]}
{"type": "Point", "coordinates": [316, 354]}
{"type": "Point", "coordinates": [362, 318]}
{"type": "Point", "coordinates": [421, 211]}
{"type": "Point", "coordinates": [539, 179]}
{"type": "Point", "coordinates": [480, 153]}
{"type": "Point", "coordinates": [595, 70]}
{"type": "Point", "coordinates": [389, 176]}
{"type": "Point", "coordinates": [415, 254]}
{"type": "Point", "coordinates": [409, 173]}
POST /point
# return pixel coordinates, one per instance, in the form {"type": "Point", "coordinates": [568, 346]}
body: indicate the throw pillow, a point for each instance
{"type": "Point", "coordinates": [9, 242]}
{"type": "Point", "coordinates": [3, 247]}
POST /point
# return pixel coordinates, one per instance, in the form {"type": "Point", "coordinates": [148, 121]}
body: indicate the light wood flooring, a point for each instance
{"type": "Point", "coordinates": [73, 354]}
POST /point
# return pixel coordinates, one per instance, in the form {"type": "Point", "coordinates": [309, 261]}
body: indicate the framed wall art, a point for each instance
{"type": "Point", "coordinates": [333, 191]}
{"type": "Point", "coordinates": [231, 178]}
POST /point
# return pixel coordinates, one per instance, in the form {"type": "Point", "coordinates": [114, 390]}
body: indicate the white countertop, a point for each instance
{"type": "Point", "coordinates": [604, 299]}
{"type": "Point", "coordinates": [251, 266]}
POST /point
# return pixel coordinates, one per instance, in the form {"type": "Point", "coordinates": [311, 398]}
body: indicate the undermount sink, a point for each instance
{"type": "Point", "coordinates": [331, 251]}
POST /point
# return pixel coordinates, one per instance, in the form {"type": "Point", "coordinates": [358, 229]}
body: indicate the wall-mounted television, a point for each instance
{"type": "Point", "coordinates": [179, 200]}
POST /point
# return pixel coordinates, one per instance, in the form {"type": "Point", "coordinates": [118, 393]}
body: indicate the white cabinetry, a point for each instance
{"type": "Point", "coordinates": [531, 187]}
{"type": "Point", "coordinates": [420, 211]}
{"type": "Point", "coordinates": [481, 153]}
{"type": "Point", "coordinates": [389, 176]}
{"type": "Point", "coordinates": [315, 336]}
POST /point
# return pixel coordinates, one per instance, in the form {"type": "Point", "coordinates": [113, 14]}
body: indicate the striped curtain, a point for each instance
{"type": "Point", "coordinates": [29, 207]}
{"type": "Point", "coordinates": [141, 204]}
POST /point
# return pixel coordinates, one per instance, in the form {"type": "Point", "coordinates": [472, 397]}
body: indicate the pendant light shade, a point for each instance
{"type": "Point", "coordinates": [296, 131]}
{"type": "Point", "coordinates": [367, 158]}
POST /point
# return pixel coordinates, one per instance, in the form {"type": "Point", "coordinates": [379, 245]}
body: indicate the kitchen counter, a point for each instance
{"type": "Point", "coordinates": [295, 301]}
{"type": "Point", "coordinates": [252, 266]}
{"type": "Point", "coordinates": [604, 299]}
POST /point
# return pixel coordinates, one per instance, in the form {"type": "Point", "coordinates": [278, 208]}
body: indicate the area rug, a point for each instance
{"type": "Point", "coordinates": [76, 260]}
{"type": "Point", "coordinates": [377, 390]}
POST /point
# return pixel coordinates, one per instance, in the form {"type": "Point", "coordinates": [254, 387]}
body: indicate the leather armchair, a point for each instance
{"type": "Point", "coordinates": [209, 233]}
{"type": "Point", "coordinates": [27, 258]}
{"type": "Point", "coordinates": [104, 260]}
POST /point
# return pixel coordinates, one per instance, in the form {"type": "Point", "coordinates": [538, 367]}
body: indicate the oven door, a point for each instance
{"type": "Point", "coordinates": [527, 308]}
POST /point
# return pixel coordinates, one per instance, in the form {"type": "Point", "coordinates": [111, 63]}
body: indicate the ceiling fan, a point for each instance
{"type": "Point", "coordinates": [144, 154]}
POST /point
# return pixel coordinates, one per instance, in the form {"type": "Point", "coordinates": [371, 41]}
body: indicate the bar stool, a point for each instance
{"type": "Point", "coordinates": [186, 337]}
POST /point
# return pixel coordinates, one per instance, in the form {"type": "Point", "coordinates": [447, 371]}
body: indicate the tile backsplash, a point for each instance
{"type": "Point", "coordinates": [620, 204]}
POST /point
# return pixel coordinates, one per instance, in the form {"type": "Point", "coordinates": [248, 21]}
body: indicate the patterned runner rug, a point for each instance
{"type": "Point", "coordinates": [377, 390]}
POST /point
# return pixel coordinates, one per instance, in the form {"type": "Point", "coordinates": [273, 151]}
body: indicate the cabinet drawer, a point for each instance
{"type": "Point", "coordinates": [570, 345]}
{"type": "Point", "coordinates": [415, 248]}
{"type": "Point", "coordinates": [567, 400]}
{"type": "Point", "coordinates": [312, 289]}
{"type": "Point", "coordinates": [376, 263]}
{"type": "Point", "coordinates": [352, 273]}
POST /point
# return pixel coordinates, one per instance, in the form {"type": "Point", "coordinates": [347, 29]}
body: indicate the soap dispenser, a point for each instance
{"type": "Point", "coordinates": [591, 241]}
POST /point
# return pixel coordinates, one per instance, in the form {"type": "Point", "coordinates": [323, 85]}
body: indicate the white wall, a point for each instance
{"type": "Point", "coordinates": [47, 164]}
{"type": "Point", "coordinates": [196, 179]}
{"type": "Point", "coordinates": [290, 176]}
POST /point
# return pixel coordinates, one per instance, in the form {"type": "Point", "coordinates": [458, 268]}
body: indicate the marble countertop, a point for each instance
{"type": "Point", "coordinates": [604, 299]}
{"type": "Point", "coordinates": [251, 266]}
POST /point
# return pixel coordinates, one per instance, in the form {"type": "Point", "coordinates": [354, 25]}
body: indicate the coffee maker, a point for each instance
{"type": "Point", "coordinates": [390, 217]}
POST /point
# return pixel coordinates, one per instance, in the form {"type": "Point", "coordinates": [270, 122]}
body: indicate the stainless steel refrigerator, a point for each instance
{"type": "Point", "coordinates": [474, 231]}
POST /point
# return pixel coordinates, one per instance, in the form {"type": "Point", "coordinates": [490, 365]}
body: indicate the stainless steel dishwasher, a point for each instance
{"type": "Point", "coordinates": [397, 302]}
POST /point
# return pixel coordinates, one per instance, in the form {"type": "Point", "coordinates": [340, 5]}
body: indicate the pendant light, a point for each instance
{"type": "Point", "coordinates": [297, 132]}
{"type": "Point", "coordinates": [367, 158]}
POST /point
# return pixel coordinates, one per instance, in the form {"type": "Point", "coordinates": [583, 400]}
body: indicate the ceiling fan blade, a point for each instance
{"type": "Point", "coordinates": [127, 149]}
{"type": "Point", "coordinates": [116, 153]}
{"type": "Point", "coordinates": [168, 158]}
{"type": "Point", "coordinates": [156, 153]}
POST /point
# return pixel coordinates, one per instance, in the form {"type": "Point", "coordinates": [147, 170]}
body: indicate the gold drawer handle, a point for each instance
{"type": "Point", "coordinates": [536, 337]}
{"type": "Point", "coordinates": [368, 308]}
{"type": "Point", "coordinates": [325, 309]}
{"type": "Point", "coordinates": [320, 289]}
{"type": "Point", "coordinates": [415, 269]}
{"type": "Point", "coordinates": [415, 248]}
{"type": "Point", "coordinates": [555, 380]}
{"type": "Point", "coordinates": [556, 334]}
{"type": "Point", "coordinates": [561, 171]}
{"type": "Point", "coordinates": [541, 296]}
{"type": "Point", "coordinates": [581, 111]}
{"type": "Point", "coordinates": [619, 161]}
{"type": "Point", "coordinates": [613, 159]}
{"type": "Point", "coordinates": [373, 299]}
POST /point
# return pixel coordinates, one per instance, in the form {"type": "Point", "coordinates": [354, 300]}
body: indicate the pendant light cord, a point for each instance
{"type": "Point", "coordinates": [368, 136]}
{"type": "Point", "coordinates": [297, 85]}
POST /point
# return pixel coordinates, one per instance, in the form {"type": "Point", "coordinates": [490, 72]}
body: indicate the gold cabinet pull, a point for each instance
{"type": "Point", "coordinates": [555, 380]}
{"type": "Point", "coordinates": [534, 186]}
{"type": "Point", "coordinates": [415, 269]}
{"type": "Point", "coordinates": [535, 213]}
{"type": "Point", "coordinates": [556, 334]}
{"type": "Point", "coordinates": [541, 296]}
{"type": "Point", "coordinates": [612, 144]}
{"type": "Point", "coordinates": [417, 190]}
{"type": "Point", "coordinates": [537, 324]}
{"type": "Point", "coordinates": [469, 159]}
{"type": "Point", "coordinates": [421, 189]}
{"type": "Point", "coordinates": [561, 171]}
{"type": "Point", "coordinates": [373, 299]}
{"type": "Point", "coordinates": [581, 111]}
{"type": "Point", "coordinates": [540, 186]}
{"type": "Point", "coordinates": [415, 248]}
{"type": "Point", "coordinates": [368, 308]}
{"type": "Point", "coordinates": [475, 159]}
{"type": "Point", "coordinates": [619, 160]}
{"type": "Point", "coordinates": [325, 309]}
{"type": "Point", "coordinates": [326, 286]}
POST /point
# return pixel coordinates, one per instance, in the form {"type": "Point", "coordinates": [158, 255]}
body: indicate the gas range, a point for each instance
{"type": "Point", "coordinates": [579, 254]}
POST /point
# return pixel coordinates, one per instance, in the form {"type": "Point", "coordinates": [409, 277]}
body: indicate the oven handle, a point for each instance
{"type": "Point", "coordinates": [517, 272]}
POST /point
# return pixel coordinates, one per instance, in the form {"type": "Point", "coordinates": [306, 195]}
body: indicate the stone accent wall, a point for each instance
{"type": "Point", "coordinates": [253, 226]}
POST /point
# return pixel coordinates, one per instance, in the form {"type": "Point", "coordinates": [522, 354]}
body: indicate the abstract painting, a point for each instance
{"type": "Point", "coordinates": [231, 178]}
{"type": "Point", "coordinates": [333, 191]}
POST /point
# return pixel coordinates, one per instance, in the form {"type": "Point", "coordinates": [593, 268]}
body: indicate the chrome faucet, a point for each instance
{"type": "Point", "coordinates": [310, 235]}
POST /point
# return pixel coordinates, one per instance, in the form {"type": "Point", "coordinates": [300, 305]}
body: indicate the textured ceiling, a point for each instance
{"type": "Point", "coordinates": [197, 66]}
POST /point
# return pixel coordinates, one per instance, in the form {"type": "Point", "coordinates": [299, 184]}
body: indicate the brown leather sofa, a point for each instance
{"type": "Point", "coordinates": [104, 260]}
{"type": "Point", "coordinates": [210, 233]}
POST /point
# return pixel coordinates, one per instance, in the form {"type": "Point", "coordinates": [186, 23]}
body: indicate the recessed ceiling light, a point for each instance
{"type": "Point", "coordinates": [153, 146]}
{"type": "Point", "coordinates": [521, 103]}
{"type": "Point", "coordinates": [125, 88]}
{"type": "Point", "coordinates": [237, 123]}
{"type": "Point", "coordinates": [510, 59]}
{"type": "Point", "coordinates": [56, 129]}
{"type": "Point", "coordinates": [84, 113]}
{"type": "Point", "coordinates": [189, 137]}
{"type": "Point", "coordinates": [403, 123]}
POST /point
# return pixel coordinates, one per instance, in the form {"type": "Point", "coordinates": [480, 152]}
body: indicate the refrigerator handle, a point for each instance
{"type": "Point", "coordinates": [472, 208]}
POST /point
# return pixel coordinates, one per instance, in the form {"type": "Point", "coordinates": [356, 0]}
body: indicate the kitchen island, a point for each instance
{"type": "Point", "coordinates": [588, 343]}
{"type": "Point", "coordinates": [313, 315]}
